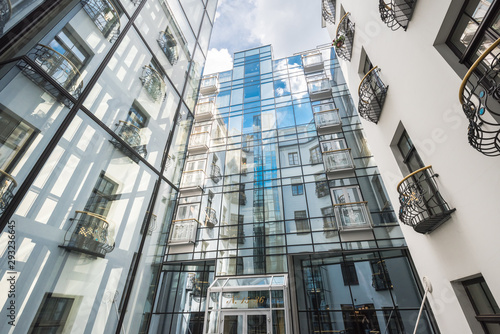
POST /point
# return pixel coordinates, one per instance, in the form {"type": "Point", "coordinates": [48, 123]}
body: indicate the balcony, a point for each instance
{"type": "Point", "coordinates": [7, 185]}
{"type": "Point", "coordinates": [209, 85]}
{"type": "Point", "coordinates": [344, 38]}
{"type": "Point", "coordinates": [421, 204]}
{"type": "Point", "coordinates": [199, 142]}
{"type": "Point", "coordinates": [338, 160]}
{"type": "Point", "coordinates": [105, 17]}
{"type": "Point", "coordinates": [396, 13]}
{"type": "Point", "coordinates": [192, 182]}
{"type": "Point", "coordinates": [312, 62]}
{"type": "Point", "coordinates": [131, 135]}
{"type": "Point", "coordinates": [327, 121]}
{"type": "Point", "coordinates": [372, 93]}
{"type": "Point", "coordinates": [215, 173]}
{"type": "Point", "coordinates": [168, 45]}
{"type": "Point", "coordinates": [480, 99]}
{"type": "Point", "coordinates": [5, 13]}
{"type": "Point", "coordinates": [319, 89]}
{"type": "Point", "coordinates": [153, 83]}
{"type": "Point", "coordinates": [352, 216]}
{"type": "Point", "coordinates": [183, 231]}
{"type": "Point", "coordinates": [210, 217]}
{"type": "Point", "coordinates": [90, 235]}
{"type": "Point", "coordinates": [205, 109]}
{"type": "Point", "coordinates": [58, 67]}
{"type": "Point", "coordinates": [328, 11]}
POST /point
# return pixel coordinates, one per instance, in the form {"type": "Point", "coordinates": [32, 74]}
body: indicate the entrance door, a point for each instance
{"type": "Point", "coordinates": [248, 322]}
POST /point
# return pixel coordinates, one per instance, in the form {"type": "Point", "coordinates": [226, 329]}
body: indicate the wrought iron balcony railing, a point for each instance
{"type": "Point", "coordinates": [209, 84]}
{"type": "Point", "coordinates": [372, 93]}
{"type": "Point", "coordinates": [7, 185]}
{"type": "Point", "coordinates": [193, 179]}
{"type": "Point", "coordinates": [131, 135]}
{"type": "Point", "coordinates": [153, 82]}
{"type": "Point", "coordinates": [105, 17]}
{"type": "Point", "coordinates": [90, 235]}
{"type": "Point", "coordinates": [205, 109]}
{"type": "Point", "coordinates": [183, 231]}
{"type": "Point", "coordinates": [319, 89]}
{"type": "Point", "coordinates": [327, 120]}
{"type": "Point", "coordinates": [5, 13]}
{"type": "Point", "coordinates": [480, 98]}
{"type": "Point", "coordinates": [344, 38]}
{"type": "Point", "coordinates": [215, 173]}
{"type": "Point", "coordinates": [421, 203]}
{"type": "Point", "coordinates": [328, 11]}
{"type": "Point", "coordinates": [168, 45]}
{"type": "Point", "coordinates": [312, 62]}
{"type": "Point", "coordinates": [352, 216]}
{"type": "Point", "coordinates": [199, 141]}
{"type": "Point", "coordinates": [396, 13]}
{"type": "Point", "coordinates": [60, 68]}
{"type": "Point", "coordinates": [210, 217]}
{"type": "Point", "coordinates": [338, 160]}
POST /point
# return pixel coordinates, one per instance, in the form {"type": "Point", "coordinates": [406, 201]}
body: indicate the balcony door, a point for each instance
{"type": "Point", "coordinates": [245, 322]}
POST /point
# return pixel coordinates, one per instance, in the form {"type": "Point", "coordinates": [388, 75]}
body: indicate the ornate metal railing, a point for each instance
{"type": "Point", "coordinates": [7, 185]}
{"type": "Point", "coordinates": [396, 13]}
{"type": "Point", "coordinates": [90, 236]}
{"type": "Point", "coordinates": [372, 93]}
{"type": "Point", "coordinates": [5, 13]}
{"type": "Point", "coordinates": [131, 135]}
{"type": "Point", "coordinates": [328, 11]}
{"type": "Point", "coordinates": [215, 173]}
{"type": "Point", "coordinates": [210, 217]}
{"type": "Point", "coordinates": [105, 17]}
{"type": "Point", "coordinates": [352, 215]}
{"type": "Point", "coordinates": [168, 45]}
{"type": "Point", "coordinates": [480, 98]}
{"type": "Point", "coordinates": [344, 38]}
{"type": "Point", "coordinates": [421, 204]}
{"type": "Point", "coordinates": [327, 119]}
{"type": "Point", "coordinates": [60, 68]}
{"type": "Point", "coordinates": [193, 178]}
{"type": "Point", "coordinates": [183, 231]}
{"type": "Point", "coordinates": [338, 160]}
{"type": "Point", "coordinates": [153, 82]}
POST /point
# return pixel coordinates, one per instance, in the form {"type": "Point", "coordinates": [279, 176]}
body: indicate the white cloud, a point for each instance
{"type": "Point", "coordinates": [218, 61]}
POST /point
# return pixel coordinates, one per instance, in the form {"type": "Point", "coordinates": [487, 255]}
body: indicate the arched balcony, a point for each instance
{"type": "Point", "coordinates": [5, 13]}
{"type": "Point", "coordinates": [131, 135]}
{"type": "Point", "coordinates": [396, 13]}
{"type": "Point", "coordinates": [328, 11]}
{"type": "Point", "coordinates": [480, 98]}
{"type": "Point", "coordinates": [105, 17]}
{"type": "Point", "coordinates": [90, 235]}
{"type": "Point", "coordinates": [421, 204]}
{"type": "Point", "coordinates": [153, 82]}
{"type": "Point", "coordinates": [168, 45]}
{"type": "Point", "coordinates": [372, 93]}
{"type": "Point", "coordinates": [7, 185]}
{"type": "Point", "coordinates": [344, 38]}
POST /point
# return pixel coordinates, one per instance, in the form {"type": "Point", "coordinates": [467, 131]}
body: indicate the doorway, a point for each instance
{"type": "Point", "coordinates": [247, 322]}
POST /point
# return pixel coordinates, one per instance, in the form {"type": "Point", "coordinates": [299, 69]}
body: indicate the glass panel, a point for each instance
{"type": "Point", "coordinates": [245, 299]}
{"type": "Point", "coordinates": [257, 324]}
{"type": "Point", "coordinates": [233, 324]}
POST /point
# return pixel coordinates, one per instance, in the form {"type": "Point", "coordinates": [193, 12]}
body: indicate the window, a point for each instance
{"type": "Point", "coordinates": [380, 276]}
{"type": "Point", "coordinates": [367, 65]}
{"type": "Point", "coordinates": [66, 44]}
{"type": "Point", "coordinates": [52, 315]}
{"type": "Point", "coordinates": [315, 155]}
{"type": "Point", "coordinates": [476, 28]}
{"type": "Point", "coordinates": [485, 306]}
{"type": "Point", "coordinates": [349, 273]}
{"type": "Point", "coordinates": [293, 158]}
{"type": "Point", "coordinates": [136, 117]}
{"type": "Point", "coordinates": [321, 188]}
{"type": "Point", "coordinates": [410, 155]}
{"type": "Point", "coordinates": [301, 221]}
{"type": "Point", "coordinates": [297, 189]}
{"type": "Point", "coordinates": [103, 195]}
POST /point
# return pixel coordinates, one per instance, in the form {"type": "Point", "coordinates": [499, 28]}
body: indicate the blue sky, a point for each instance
{"type": "Point", "coordinates": [289, 25]}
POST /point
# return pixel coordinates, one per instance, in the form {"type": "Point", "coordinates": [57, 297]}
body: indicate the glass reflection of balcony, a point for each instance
{"type": "Point", "coordinates": [215, 173]}
{"type": "Point", "coordinates": [209, 84]}
{"type": "Point", "coordinates": [352, 216]}
{"type": "Point", "coordinates": [131, 135]}
{"type": "Point", "coordinates": [183, 231]}
{"type": "Point", "coordinates": [5, 13]}
{"type": "Point", "coordinates": [90, 235]}
{"type": "Point", "coordinates": [210, 217]}
{"type": "Point", "coordinates": [312, 62]}
{"type": "Point", "coordinates": [344, 38]}
{"type": "Point", "coordinates": [396, 13]}
{"type": "Point", "coordinates": [205, 109]}
{"type": "Point", "coordinates": [328, 11]}
{"type": "Point", "coordinates": [153, 82]}
{"type": "Point", "coordinates": [319, 89]}
{"type": "Point", "coordinates": [480, 99]}
{"type": "Point", "coordinates": [168, 45]}
{"type": "Point", "coordinates": [7, 185]}
{"type": "Point", "coordinates": [421, 204]}
{"type": "Point", "coordinates": [192, 180]}
{"type": "Point", "coordinates": [199, 142]}
{"type": "Point", "coordinates": [372, 93]}
{"type": "Point", "coordinates": [327, 120]}
{"type": "Point", "coordinates": [60, 69]}
{"type": "Point", "coordinates": [338, 160]}
{"type": "Point", "coordinates": [105, 17]}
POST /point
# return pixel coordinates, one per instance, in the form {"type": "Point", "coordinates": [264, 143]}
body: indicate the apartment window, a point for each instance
{"type": "Point", "coordinates": [485, 306]}
{"type": "Point", "coordinates": [52, 315]}
{"type": "Point", "coordinates": [321, 188]}
{"type": "Point", "coordinates": [367, 64]}
{"type": "Point", "coordinates": [15, 138]}
{"type": "Point", "coordinates": [293, 158]}
{"type": "Point", "coordinates": [103, 194]}
{"type": "Point", "coordinates": [136, 117]}
{"type": "Point", "coordinates": [476, 28]}
{"type": "Point", "coordinates": [301, 221]}
{"type": "Point", "coordinates": [297, 189]}
{"type": "Point", "coordinates": [410, 155]}
{"type": "Point", "coordinates": [380, 276]}
{"type": "Point", "coordinates": [349, 273]}
{"type": "Point", "coordinates": [315, 155]}
{"type": "Point", "coordinates": [66, 44]}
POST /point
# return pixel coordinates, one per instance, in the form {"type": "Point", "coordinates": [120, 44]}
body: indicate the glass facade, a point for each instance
{"type": "Point", "coordinates": [279, 183]}
{"type": "Point", "coordinates": [96, 103]}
